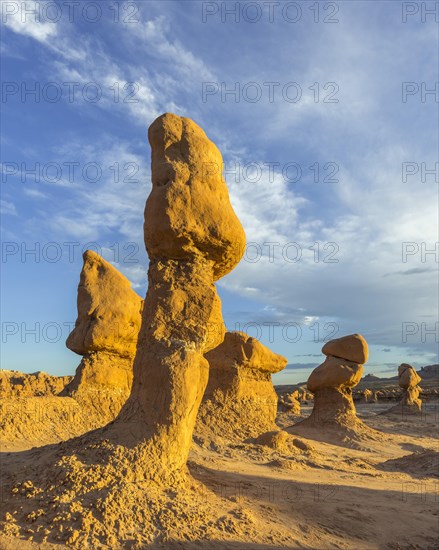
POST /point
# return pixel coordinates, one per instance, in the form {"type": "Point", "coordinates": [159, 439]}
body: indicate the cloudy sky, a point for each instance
{"type": "Point", "coordinates": [327, 118]}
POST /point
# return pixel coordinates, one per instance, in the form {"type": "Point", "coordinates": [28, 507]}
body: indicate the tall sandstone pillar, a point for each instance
{"type": "Point", "coordinates": [193, 238]}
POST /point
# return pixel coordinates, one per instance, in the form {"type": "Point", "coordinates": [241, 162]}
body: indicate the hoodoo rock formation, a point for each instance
{"type": "Point", "coordinates": [408, 381]}
{"type": "Point", "coordinates": [193, 237]}
{"type": "Point", "coordinates": [105, 334]}
{"type": "Point", "coordinates": [334, 415]}
{"type": "Point", "coordinates": [291, 403]}
{"type": "Point", "coordinates": [240, 400]}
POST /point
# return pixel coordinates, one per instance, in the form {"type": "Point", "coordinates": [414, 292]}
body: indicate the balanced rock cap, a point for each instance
{"type": "Point", "coordinates": [335, 373]}
{"type": "Point", "coordinates": [352, 348]}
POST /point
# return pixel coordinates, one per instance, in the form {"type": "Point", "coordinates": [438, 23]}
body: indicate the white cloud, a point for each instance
{"type": "Point", "coordinates": [8, 208]}
{"type": "Point", "coordinates": [154, 34]}
{"type": "Point", "coordinates": [34, 193]}
{"type": "Point", "coordinates": [27, 18]}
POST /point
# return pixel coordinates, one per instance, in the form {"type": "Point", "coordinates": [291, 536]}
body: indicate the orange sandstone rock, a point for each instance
{"type": "Point", "coordinates": [192, 237]}
{"type": "Point", "coordinates": [109, 317]}
{"type": "Point", "coordinates": [334, 418]}
{"type": "Point", "coordinates": [109, 311]}
{"type": "Point", "coordinates": [408, 381]}
{"type": "Point", "coordinates": [352, 348]}
{"type": "Point", "coordinates": [240, 400]}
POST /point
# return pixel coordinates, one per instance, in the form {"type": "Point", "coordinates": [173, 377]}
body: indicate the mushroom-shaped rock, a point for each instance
{"type": "Point", "coordinates": [408, 381]}
{"type": "Point", "coordinates": [367, 395]}
{"type": "Point", "coordinates": [192, 237]}
{"type": "Point", "coordinates": [239, 349]}
{"type": "Point", "coordinates": [109, 317]}
{"type": "Point", "coordinates": [240, 400]}
{"type": "Point", "coordinates": [408, 377]}
{"type": "Point", "coordinates": [334, 416]}
{"type": "Point", "coordinates": [292, 402]}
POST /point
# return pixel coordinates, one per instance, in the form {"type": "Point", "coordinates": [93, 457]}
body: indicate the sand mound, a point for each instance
{"type": "Point", "coordinates": [90, 494]}
{"type": "Point", "coordinates": [40, 420]}
{"type": "Point", "coordinates": [419, 464]}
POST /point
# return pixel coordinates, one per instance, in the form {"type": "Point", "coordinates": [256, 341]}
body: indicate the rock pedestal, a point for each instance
{"type": "Point", "coordinates": [408, 381]}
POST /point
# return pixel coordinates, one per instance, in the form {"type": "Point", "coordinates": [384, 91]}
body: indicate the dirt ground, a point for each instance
{"type": "Point", "coordinates": [249, 496]}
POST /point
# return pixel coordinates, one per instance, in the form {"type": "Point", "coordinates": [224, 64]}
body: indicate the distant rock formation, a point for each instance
{"type": "Point", "coordinates": [109, 317]}
{"type": "Point", "coordinates": [291, 402]}
{"type": "Point", "coordinates": [193, 238]}
{"type": "Point", "coordinates": [36, 384]}
{"type": "Point", "coordinates": [368, 396]}
{"type": "Point", "coordinates": [334, 416]}
{"type": "Point", "coordinates": [370, 378]}
{"type": "Point", "coordinates": [240, 400]}
{"type": "Point", "coordinates": [429, 372]}
{"type": "Point", "coordinates": [408, 380]}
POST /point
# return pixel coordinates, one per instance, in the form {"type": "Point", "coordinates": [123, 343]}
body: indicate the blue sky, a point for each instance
{"type": "Point", "coordinates": [325, 151]}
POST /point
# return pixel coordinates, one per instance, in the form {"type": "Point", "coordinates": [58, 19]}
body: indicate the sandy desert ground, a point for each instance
{"type": "Point", "coordinates": [383, 496]}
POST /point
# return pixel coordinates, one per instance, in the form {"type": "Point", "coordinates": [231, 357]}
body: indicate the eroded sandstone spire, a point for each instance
{"type": "Point", "coordinates": [240, 400]}
{"type": "Point", "coordinates": [105, 334]}
{"type": "Point", "coordinates": [193, 238]}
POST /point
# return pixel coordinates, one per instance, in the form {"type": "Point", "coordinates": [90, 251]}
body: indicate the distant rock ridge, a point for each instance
{"type": "Point", "coordinates": [19, 384]}
{"type": "Point", "coordinates": [370, 377]}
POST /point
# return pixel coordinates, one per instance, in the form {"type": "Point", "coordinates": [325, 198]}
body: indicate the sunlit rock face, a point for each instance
{"type": "Point", "coordinates": [331, 383]}
{"type": "Point", "coordinates": [105, 334]}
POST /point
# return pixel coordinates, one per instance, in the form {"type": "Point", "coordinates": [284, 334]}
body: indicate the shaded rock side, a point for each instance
{"type": "Point", "coordinates": [408, 380]}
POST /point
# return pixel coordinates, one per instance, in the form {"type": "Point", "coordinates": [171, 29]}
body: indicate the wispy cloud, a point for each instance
{"type": "Point", "coordinates": [27, 18]}
{"type": "Point", "coordinates": [8, 208]}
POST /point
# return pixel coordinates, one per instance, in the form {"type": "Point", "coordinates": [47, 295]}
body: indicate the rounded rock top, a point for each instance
{"type": "Point", "coordinates": [352, 348]}
{"type": "Point", "coordinates": [188, 214]}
